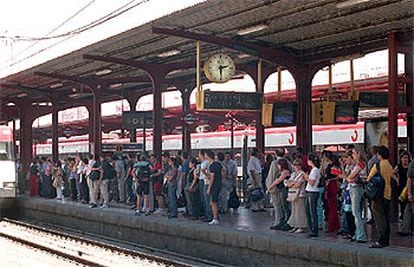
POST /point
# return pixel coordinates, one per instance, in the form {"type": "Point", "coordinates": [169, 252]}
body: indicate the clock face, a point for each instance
{"type": "Point", "coordinates": [219, 68]}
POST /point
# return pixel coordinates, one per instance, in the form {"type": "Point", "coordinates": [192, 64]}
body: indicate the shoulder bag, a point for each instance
{"type": "Point", "coordinates": [374, 189]}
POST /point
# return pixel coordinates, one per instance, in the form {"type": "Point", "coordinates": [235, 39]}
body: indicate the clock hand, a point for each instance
{"type": "Point", "coordinates": [221, 71]}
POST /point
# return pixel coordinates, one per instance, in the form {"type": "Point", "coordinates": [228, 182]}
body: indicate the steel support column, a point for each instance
{"type": "Point", "coordinates": [157, 116]}
{"type": "Point", "coordinates": [27, 117]}
{"type": "Point", "coordinates": [186, 133]}
{"type": "Point", "coordinates": [97, 121]}
{"type": "Point", "coordinates": [132, 107]}
{"type": "Point", "coordinates": [410, 97]}
{"type": "Point", "coordinates": [392, 98]}
{"type": "Point", "coordinates": [55, 135]}
{"type": "Point", "coordinates": [303, 79]}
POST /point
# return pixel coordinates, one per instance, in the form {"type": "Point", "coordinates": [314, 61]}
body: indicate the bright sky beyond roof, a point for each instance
{"type": "Point", "coordinates": [21, 20]}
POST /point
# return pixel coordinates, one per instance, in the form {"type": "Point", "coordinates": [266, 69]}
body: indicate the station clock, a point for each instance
{"type": "Point", "coordinates": [219, 68]}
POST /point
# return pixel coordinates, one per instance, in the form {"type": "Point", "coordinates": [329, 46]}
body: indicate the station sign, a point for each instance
{"type": "Point", "coordinates": [136, 119]}
{"type": "Point", "coordinates": [189, 118]}
{"type": "Point", "coordinates": [128, 148]}
{"type": "Point", "coordinates": [228, 101]}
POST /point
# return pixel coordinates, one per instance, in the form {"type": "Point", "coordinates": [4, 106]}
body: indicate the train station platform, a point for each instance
{"type": "Point", "coordinates": [243, 238]}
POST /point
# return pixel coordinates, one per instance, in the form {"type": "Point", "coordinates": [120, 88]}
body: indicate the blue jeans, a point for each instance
{"type": "Point", "coordinates": [311, 213]}
{"type": "Point", "coordinates": [172, 199]}
{"type": "Point", "coordinates": [356, 193]}
{"type": "Point", "coordinates": [208, 213]}
{"type": "Point", "coordinates": [320, 206]}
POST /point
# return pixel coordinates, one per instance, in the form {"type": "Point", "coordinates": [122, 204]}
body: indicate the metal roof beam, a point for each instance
{"type": "Point", "coordinates": [274, 55]}
{"type": "Point", "coordinates": [150, 68]}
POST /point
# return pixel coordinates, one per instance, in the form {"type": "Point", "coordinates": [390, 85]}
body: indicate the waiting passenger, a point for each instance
{"type": "Point", "coordinates": [120, 178]}
{"type": "Point", "coordinates": [171, 177]}
{"type": "Point", "coordinates": [83, 184]}
{"type": "Point", "coordinates": [57, 179]}
{"type": "Point", "coordinates": [282, 205]}
{"type": "Point", "coordinates": [224, 193]}
{"type": "Point", "coordinates": [407, 227]}
{"type": "Point", "coordinates": [330, 175]}
{"type": "Point", "coordinates": [194, 192]}
{"type": "Point", "coordinates": [142, 174]}
{"type": "Point", "coordinates": [204, 180]}
{"type": "Point", "coordinates": [312, 194]}
{"type": "Point", "coordinates": [158, 182]}
{"type": "Point", "coordinates": [381, 206]}
{"type": "Point", "coordinates": [34, 177]}
{"type": "Point", "coordinates": [94, 176]}
{"type": "Point", "coordinates": [296, 196]}
{"type": "Point", "coordinates": [72, 179]}
{"type": "Point", "coordinates": [108, 173]}
{"type": "Point", "coordinates": [214, 185]}
{"type": "Point", "coordinates": [254, 170]}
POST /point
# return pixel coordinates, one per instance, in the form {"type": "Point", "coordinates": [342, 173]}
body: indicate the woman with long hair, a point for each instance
{"type": "Point", "coordinates": [57, 179]}
{"type": "Point", "coordinates": [331, 191]}
{"type": "Point", "coordinates": [282, 205]}
{"type": "Point", "coordinates": [355, 183]}
{"type": "Point", "coordinates": [312, 193]}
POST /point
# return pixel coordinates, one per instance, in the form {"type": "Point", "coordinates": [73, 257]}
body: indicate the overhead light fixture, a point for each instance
{"type": "Point", "coordinates": [103, 72]}
{"type": "Point", "coordinates": [243, 55]}
{"type": "Point", "coordinates": [175, 72]}
{"type": "Point", "coordinates": [169, 53]}
{"type": "Point", "coordinates": [350, 3]}
{"type": "Point", "coordinates": [11, 104]}
{"type": "Point", "coordinates": [253, 29]}
{"type": "Point", "coordinates": [116, 85]}
{"type": "Point", "coordinates": [169, 88]}
{"type": "Point", "coordinates": [56, 85]}
{"type": "Point", "coordinates": [45, 104]}
{"type": "Point", "coordinates": [21, 95]}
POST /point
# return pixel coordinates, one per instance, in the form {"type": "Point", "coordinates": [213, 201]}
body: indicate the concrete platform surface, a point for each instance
{"type": "Point", "coordinates": [243, 238]}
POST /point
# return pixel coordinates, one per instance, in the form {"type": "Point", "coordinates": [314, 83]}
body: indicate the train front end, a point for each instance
{"type": "Point", "coordinates": [7, 168]}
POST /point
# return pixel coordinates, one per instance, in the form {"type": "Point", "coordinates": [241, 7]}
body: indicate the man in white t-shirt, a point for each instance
{"type": "Point", "coordinates": [254, 169]}
{"type": "Point", "coordinates": [204, 175]}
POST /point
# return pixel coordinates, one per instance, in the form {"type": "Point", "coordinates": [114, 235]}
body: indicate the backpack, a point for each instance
{"type": "Point", "coordinates": [143, 172]}
{"type": "Point", "coordinates": [234, 201]}
{"type": "Point", "coordinates": [374, 189]}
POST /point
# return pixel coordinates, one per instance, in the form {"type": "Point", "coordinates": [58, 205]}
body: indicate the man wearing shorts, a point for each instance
{"type": "Point", "coordinates": [142, 174]}
{"type": "Point", "coordinates": [214, 185]}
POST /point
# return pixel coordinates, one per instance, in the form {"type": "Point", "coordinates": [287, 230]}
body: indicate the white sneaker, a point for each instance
{"type": "Point", "coordinates": [214, 222]}
{"type": "Point", "coordinates": [299, 231]}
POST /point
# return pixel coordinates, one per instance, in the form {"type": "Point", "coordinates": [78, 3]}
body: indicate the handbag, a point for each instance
{"type": "Point", "coordinates": [293, 194]}
{"type": "Point", "coordinates": [374, 189]}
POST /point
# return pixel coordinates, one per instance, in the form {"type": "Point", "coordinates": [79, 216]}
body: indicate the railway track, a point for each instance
{"type": "Point", "coordinates": [87, 250]}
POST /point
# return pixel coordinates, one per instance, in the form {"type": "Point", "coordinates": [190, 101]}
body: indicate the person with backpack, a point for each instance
{"type": "Point", "coordinates": [141, 173]}
{"type": "Point", "coordinates": [381, 206]}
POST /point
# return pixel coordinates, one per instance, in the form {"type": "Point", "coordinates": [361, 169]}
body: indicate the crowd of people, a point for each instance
{"type": "Point", "coordinates": [308, 192]}
{"type": "Point", "coordinates": [202, 185]}
{"type": "Point", "coordinates": [326, 191]}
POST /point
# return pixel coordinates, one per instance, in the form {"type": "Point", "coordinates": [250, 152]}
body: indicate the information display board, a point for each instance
{"type": "Point", "coordinates": [228, 101]}
{"type": "Point", "coordinates": [284, 114]}
{"type": "Point", "coordinates": [346, 112]}
{"type": "Point", "coordinates": [135, 119]}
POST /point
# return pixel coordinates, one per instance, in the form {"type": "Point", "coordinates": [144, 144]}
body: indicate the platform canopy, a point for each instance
{"type": "Point", "coordinates": [281, 32]}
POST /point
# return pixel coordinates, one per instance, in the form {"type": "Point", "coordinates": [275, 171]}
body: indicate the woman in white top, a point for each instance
{"type": "Point", "coordinates": [312, 194]}
{"type": "Point", "coordinates": [296, 185]}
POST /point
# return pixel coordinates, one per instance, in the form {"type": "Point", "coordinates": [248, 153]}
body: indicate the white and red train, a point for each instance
{"type": "Point", "coordinates": [275, 137]}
